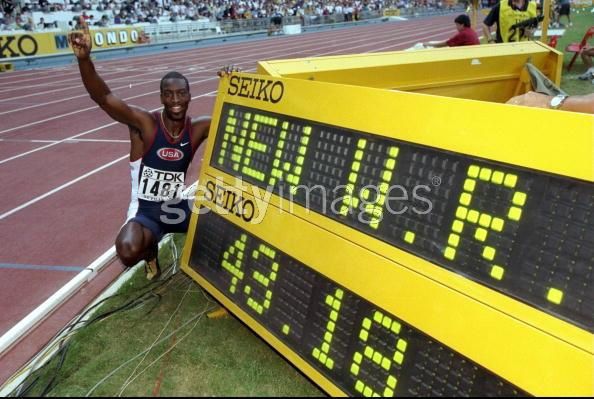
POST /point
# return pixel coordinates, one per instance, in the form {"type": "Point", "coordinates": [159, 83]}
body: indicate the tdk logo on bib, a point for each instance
{"type": "Point", "coordinates": [170, 154]}
{"type": "Point", "coordinates": [160, 185]}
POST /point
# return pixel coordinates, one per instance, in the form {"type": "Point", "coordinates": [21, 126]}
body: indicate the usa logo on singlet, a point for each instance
{"type": "Point", "coordinates": [170, 154]}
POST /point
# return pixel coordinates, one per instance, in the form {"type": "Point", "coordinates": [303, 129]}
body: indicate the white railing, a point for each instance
{"type": "Point", "coordinates": [164, 31]}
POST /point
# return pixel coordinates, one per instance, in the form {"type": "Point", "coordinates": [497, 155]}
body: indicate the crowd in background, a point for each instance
{"type": "Point", "coordinates": [114, 12]}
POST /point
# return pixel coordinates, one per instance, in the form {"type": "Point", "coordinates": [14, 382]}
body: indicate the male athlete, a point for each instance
{"type": "Point", "coordinates": [162, 146]}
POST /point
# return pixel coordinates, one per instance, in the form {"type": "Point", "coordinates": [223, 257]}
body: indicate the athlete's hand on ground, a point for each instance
{"type": "Point", "coordinates": [80, 40]}
{"type": "Point", "coordinates": [228, 70]}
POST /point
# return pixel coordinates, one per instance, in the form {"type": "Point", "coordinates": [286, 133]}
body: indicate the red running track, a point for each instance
{"type": "Point", "coordinates": [63, 162]}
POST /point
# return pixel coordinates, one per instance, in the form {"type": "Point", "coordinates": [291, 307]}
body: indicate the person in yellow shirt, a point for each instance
{"type": "Point", "coordinates": [505, 15]}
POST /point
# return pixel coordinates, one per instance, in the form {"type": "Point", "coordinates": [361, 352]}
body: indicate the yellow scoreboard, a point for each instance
{"type": "Point", "coordinates": [394, 244]}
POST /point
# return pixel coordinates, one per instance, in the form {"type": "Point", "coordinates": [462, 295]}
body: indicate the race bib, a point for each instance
{"type": "Point", "coordinates": [160, 185]}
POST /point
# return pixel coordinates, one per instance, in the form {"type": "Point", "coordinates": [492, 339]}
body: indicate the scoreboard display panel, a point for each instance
{"type": "Point", "coordinates": [400, 244]}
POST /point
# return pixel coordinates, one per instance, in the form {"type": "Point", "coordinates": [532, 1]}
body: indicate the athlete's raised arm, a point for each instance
{"type": "Point", "coordinates": [98, 90]}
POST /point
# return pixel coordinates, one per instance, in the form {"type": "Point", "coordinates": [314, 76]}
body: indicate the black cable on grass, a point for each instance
{"type": "Point", "coordinates": [63, 351]}
{"type": "Point", "coordinates": [28, 387]}
{"type": "Point", "coordinates": [130, 305]}
{"type": "Point", "coordinates": [22, 390]}
{"type": "Point", "coordinates": [50, 385]}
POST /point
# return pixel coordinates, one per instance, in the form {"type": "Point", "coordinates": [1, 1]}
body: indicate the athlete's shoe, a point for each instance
{"type": "Point", "coordinates": [587, 75]}
{"type": "Point", "coordinates": [152, 269]}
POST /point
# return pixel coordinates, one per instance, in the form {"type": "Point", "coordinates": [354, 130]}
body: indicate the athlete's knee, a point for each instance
{"type": "Point", "coordinates": [129, 251]}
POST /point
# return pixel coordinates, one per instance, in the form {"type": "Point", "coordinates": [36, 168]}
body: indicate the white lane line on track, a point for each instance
{"type": "Point", "coordinates": [146, 61]}
{"type": "Point", "coordinates": [215, 55]}
{"type": "Point", "coordinates": [97, 141]}
{"type": "Point", "coordinates": [214, 58]}
{"type": "Point", "coordinates": [71, 141]}
{"type": "Point", "coordinates": [340, 33]}
{"type": "Point", "coordinates": [60, 188]}
{"type": "Point", "coordinates": [80, 134]}
{"type": "Point", "coordinates": [125, 86]}
{"type": "Point", "coordinates": [88, 109]}
{"type": "Point", "coordinates": [74, 74]}
{"type": "Point", "coordinates": [86, 95]}
{"type": "Point", "coordinates": [27, 141]}
{"type": "Point", "coordinates": [113, 123]}
{"type": "Point", "coordinates": [43, 147]}
{"type": "Point", "coordinates": [108, 66]}
{"type": "Point", "coordinates": [257, 43]}
{"type": "Point", "coordinates": [141, 95]}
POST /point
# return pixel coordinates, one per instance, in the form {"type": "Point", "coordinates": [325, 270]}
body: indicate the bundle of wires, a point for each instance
{"type": "Point", "coordinates": [43, 371]}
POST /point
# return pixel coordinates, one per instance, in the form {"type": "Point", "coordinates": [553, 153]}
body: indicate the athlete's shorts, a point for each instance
{"type": "Point", "coordinates": [564, 9]}
{"type": "Point", "coordinates": [163, 218]}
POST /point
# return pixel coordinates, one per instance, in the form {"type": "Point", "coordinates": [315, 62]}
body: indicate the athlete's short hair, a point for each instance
{"type": "Point", "coordinates": [463, 19]}
{"type": "Point", "coordinates": [174, 75]}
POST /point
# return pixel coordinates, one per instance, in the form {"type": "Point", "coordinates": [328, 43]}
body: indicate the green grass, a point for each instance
{"type": "Point", "coordinates": [582, 19]}
{"type": "Point", "coordinates": [214, 357]}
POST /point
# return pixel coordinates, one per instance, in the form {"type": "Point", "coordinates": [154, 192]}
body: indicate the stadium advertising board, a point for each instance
{"type": "Point", "coordinates": [49, 43]}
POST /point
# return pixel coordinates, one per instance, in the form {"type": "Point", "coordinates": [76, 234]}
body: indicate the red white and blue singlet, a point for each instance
{"type": "Point", "coordinates": [158, 180]}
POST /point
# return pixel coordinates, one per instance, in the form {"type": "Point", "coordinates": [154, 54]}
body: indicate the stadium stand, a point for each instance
{"type": "Point", "coordinates": [62, 14]}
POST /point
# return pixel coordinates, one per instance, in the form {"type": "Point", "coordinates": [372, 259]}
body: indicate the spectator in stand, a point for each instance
{"type": "Point", "coordinates": [46, 25]}
{"type": "Point", "coordinates": [339, 12]}
{"type": "Point", "coordinates": [466, 36]}
{"type": "Point", "coordinates": [78, 25]}
{"type": "Point", "coordinates": [152, 10]}
{"type": "Point", "coordinates": [121, 17]}
{"type": "Point", "coordinates": [276, 22]}
{"type": "Point", "coordinates": [18, 20]}
{"type": "Point", "coordinates": [30, 25]}
{"type": "Point", "coordinates": [7, 8]}
{"type": "Point", "coordinates": [348, 13]}
{"type": "Point", "coordinates": [103, 22]}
